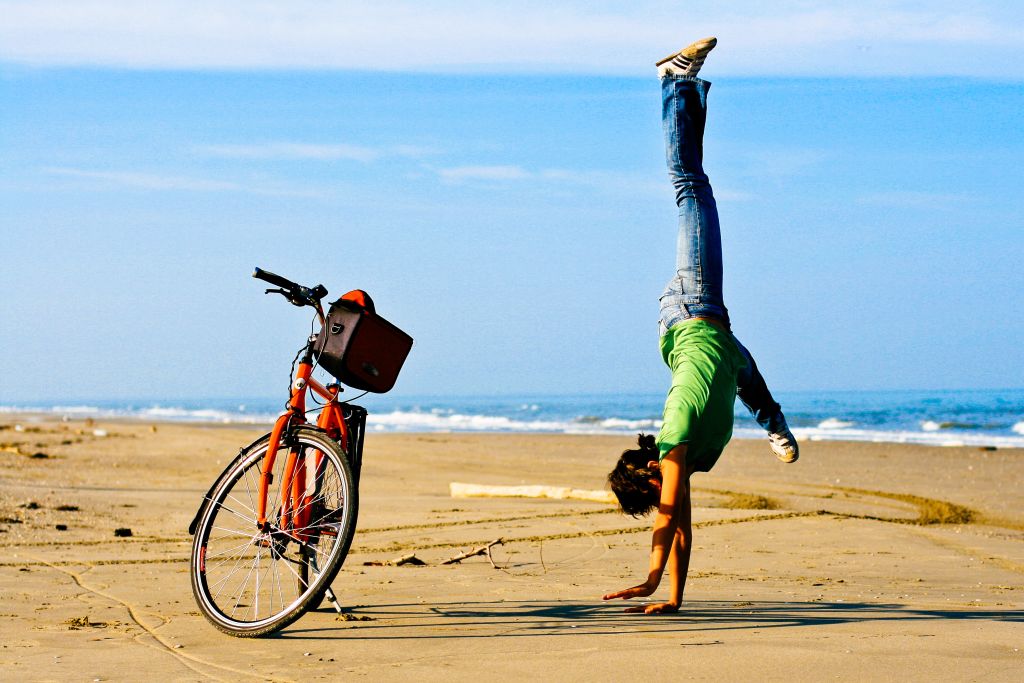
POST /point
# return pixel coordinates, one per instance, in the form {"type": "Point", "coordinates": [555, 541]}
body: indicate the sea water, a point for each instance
{"type": "Point", "coordinates": [972, 418]}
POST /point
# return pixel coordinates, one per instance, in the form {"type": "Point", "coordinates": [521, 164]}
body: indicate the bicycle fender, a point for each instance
{"type": "Point", "coordinates": [216, 482]}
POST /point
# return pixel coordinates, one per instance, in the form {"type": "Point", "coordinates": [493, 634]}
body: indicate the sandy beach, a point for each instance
{"type": "Point", "coordinates": [859, 562]}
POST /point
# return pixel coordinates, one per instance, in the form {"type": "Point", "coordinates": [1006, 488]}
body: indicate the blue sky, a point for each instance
{"type": "Point", "coordinates": [502, 195]}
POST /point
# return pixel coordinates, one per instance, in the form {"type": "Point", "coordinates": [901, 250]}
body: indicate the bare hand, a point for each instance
{"type": "Point", "coordinates": [654, 608]}
{"type": "Point", "coordinates": [641, 591]}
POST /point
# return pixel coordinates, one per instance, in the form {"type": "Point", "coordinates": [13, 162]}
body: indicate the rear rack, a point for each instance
{"type": "Point", "coordinates": [355, 420]}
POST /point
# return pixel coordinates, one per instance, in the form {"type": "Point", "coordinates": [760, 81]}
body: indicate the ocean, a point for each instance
{"type": "Point", "coordinates": [992, 418]}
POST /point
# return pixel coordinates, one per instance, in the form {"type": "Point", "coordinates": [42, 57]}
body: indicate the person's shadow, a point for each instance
{"type": "Point", "coordinates": [527, 618]}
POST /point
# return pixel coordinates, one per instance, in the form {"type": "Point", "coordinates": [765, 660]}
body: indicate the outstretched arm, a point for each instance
{"type": "Point", "coordinates": [679, 561]}
{"type": "Point", "coordinates": [666, 543]}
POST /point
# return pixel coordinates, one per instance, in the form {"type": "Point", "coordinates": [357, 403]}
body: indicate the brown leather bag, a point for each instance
{"type": "Point", "coordinates": [360, 348]}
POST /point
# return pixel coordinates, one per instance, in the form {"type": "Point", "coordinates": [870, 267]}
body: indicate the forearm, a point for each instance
{"type": "Point", "coordinates": [679, 566]}
{"type": "Point", "coordinates": [679, 562]}
{"type": "Point", "coordinates": [673, 510]}
{"type": "Point", "coordinates": [665, 526]}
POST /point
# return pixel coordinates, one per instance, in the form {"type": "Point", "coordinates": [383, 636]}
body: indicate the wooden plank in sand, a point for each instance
{"type": "Point", "coordinates": [461, 490]}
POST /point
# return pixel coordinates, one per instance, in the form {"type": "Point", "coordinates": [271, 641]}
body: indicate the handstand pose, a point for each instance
{"type": "Point", "coordinates": [709, 365]}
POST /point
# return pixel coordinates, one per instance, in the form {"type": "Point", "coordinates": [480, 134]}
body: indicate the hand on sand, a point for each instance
{"type": "Point", "coordinates": [641, 591]}
{"type": "Point", "coordinates": [654, 608]}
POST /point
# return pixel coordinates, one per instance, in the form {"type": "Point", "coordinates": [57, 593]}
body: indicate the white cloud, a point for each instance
{"type": "Point", "coordinates": [770, 161]}
{"type": "Point", "coordinates": [302, 151]}
{"type": "Point", "coordinates": [511, 172]}
{"type": "Point", "coordinates": [611, 181]}
{"type": "Point", "coordinates": [916, 199]}
{"type": "Point", "coordinates": [728, 195]}
{"type": "Point", "coordinates": [867, 38]}
{"type": "Point", "coordinates": [605, 181]}
{"type": "Point", "coordinates": [152, 181]}
{"type": "Point", "coordinates": [145, 181]}
{"type": "Point", "coordinates": [463, 173]}
{"type": "Point", "coordinates": [634, 184]}
{"type": "Point", "coordinates": [291, 150]}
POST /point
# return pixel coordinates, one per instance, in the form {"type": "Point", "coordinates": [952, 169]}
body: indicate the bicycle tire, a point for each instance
{"type": "Point", "coordinates": [251, 554]}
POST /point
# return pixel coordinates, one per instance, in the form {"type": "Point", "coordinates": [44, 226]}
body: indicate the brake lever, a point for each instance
{"type": "Point", "coordinates": [298, 298]}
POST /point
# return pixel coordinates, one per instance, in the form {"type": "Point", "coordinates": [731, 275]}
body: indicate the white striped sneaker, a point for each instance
{"type": "Point", "coordinates": [688, 61]}
{"type": "Point", "coordinates": [784, 444]}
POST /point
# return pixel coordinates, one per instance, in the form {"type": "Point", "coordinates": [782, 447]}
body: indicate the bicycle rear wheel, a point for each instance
{"type": "Point", "coordinates": [249, 582]}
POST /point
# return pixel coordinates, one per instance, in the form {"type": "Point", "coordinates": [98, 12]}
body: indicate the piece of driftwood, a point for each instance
{"type": "Point", "coordinates": [491, 559]}
{"type": "Point", "coordinates": [462, 490]}
{"type": "Point", "coordinates": [482, 550]}
{"type": "Point", "coordinates": [397, 562]}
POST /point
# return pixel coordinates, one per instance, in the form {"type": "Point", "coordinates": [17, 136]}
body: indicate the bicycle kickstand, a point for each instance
{"type": "Point", "coordinates": [331, 598]}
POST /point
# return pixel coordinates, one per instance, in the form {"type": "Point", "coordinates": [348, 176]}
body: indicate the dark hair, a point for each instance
{"type": "Point", "coordinates": [631, 478]}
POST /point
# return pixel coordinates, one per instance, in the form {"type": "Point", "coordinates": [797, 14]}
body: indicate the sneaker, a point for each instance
{"type": "Point", "coordinates": [688, 61]}
{"type": "Point", "coordinates": [783, 443]}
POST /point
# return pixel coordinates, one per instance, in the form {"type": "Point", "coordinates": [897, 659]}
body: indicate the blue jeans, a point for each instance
{"type": "Point", "coordinates": [696, 289]}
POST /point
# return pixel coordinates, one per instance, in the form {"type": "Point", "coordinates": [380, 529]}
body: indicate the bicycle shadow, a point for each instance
{"type": "Point", "coordinates": [526, 618]}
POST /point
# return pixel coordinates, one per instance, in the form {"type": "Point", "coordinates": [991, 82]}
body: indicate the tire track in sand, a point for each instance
{"type": "Point", "coordinates": [191, 662]}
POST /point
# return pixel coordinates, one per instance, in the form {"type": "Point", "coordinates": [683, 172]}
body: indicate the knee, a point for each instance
{"type": "Point", "coordinates": [691, 186]}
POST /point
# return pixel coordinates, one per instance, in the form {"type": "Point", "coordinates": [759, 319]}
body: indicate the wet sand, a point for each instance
{"type": "Point", "coordinates": [859, 562]}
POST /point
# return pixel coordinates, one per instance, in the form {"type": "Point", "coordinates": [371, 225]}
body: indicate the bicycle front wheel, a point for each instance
{"type": "Point", "coordinates": [250, 582]}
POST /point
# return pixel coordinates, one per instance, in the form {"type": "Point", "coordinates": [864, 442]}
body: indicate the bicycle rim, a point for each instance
{"type": "Point", "coordinates": [249, 582]}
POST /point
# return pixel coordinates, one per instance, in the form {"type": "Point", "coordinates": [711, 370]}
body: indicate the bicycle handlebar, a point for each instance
{"type": "Point", "coordinates": [273, 279]}
{"type": "Point", "coordinates": [294, 292]}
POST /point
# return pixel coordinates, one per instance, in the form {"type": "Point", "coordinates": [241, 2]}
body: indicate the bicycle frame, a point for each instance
{"type": "Point", "coordinates": [295, 508]}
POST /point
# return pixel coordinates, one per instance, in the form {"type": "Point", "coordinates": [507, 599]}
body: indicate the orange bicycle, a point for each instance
{"type": "Point", "coordinates": [274, 529]}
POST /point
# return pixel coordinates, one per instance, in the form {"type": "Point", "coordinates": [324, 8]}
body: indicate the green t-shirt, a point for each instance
{"type": "Point", "coordinates": [698, 411]}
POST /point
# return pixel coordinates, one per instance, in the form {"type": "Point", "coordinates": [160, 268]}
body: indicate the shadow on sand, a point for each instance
{"type": "Point", "coordinates": [553, 618]}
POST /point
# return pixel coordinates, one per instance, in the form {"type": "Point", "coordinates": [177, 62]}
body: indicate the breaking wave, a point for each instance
{"type": "Point", "coordinates": [978, 418]}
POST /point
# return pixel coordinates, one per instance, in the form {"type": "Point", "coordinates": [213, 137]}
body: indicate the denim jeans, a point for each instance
{"type": "Point", "coordinates": [696, 289]}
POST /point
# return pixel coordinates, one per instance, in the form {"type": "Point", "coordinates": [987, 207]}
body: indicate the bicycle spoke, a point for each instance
{"type": "Point", "coordinates": [280, 592]}
{"type": "Point", "coordinates": [248, 487]}
{"type": "Point", "coordinates": [288, 566]}
{"type": "Point", "coordinates": [227, 538]}
{"type": "Point", "coordinates": [266, 575]}
{"type": "Point", "coordinates": [232, 532]}
{"type": "Point", "coordinates": [256, 597]}
{"type": "Point", "coordinates": [247, 520]}
{"type": "Point", "coordinates": [241, 588]}
{"type": "Point", "coordinates": [252, 510]}
{"type": "Point", "coordinates": [315, 523]}
{"type": "Point", "coordinates": [229, 550]}
{"type": "Point", "coordinates": [211, 500]}
{"type": "Point", "coordinates": [322, 498]}
{"type": "Point", "coordinates": [233, 568]}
